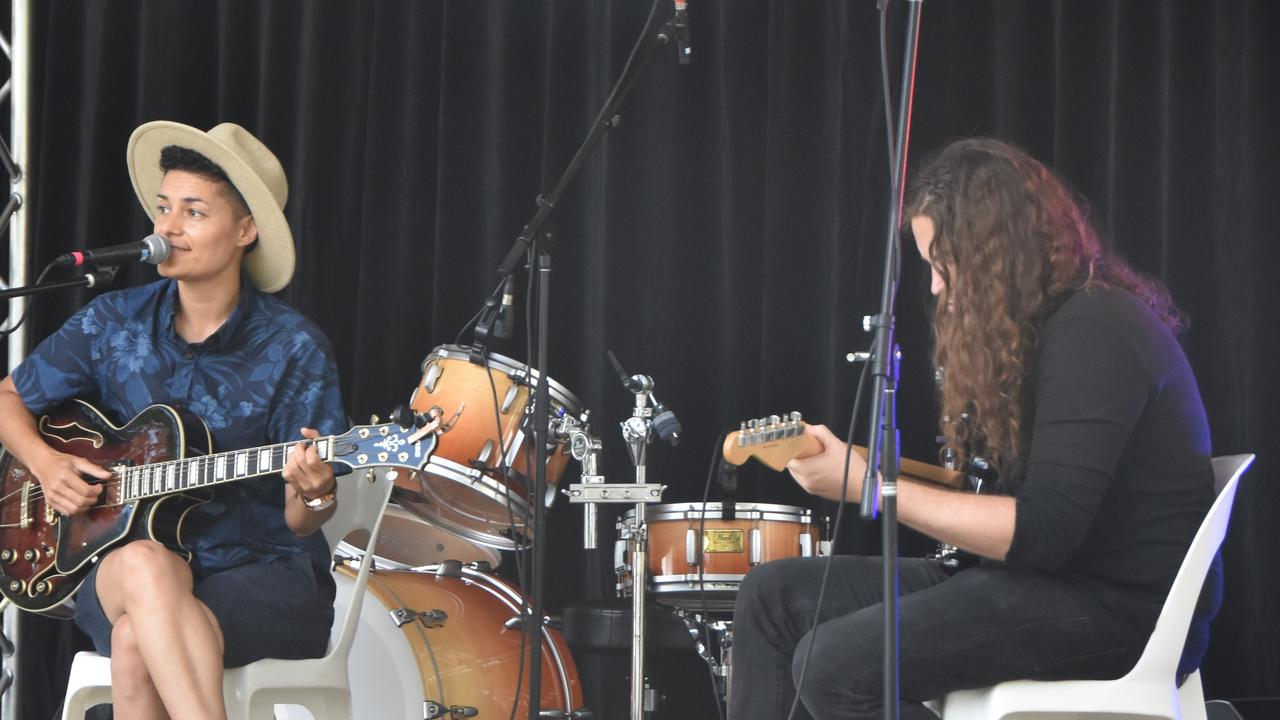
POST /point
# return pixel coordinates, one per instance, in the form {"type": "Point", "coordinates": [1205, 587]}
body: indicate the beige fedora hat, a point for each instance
{"type": "Point", "coordinates": [252, 168]}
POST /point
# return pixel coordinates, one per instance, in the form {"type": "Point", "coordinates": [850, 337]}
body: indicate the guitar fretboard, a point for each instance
{"type": "Point", "coordinates": [173, 476]}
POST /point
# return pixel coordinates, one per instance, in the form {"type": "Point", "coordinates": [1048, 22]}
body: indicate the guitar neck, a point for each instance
{"type": "Point", "coordinates": [163, 478]}
{"type": "Point", "coordinates": [775, 442]}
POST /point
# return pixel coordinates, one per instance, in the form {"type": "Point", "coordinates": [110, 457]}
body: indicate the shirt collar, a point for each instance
{"type": "Point", "coordinates": [221, 336]}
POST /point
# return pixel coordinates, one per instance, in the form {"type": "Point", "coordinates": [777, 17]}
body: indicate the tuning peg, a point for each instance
{"type": "Point", "coordinates": [374, 419]}
{"type": "Point", "coordinates": [404, 417]}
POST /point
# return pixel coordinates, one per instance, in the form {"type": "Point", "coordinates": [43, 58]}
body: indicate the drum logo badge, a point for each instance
{"type": "Point", "coordinates": [722, 541]}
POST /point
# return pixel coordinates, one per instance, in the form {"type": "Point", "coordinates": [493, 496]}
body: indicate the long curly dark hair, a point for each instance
{"type": "Point", "coordinates": [1010, 242]}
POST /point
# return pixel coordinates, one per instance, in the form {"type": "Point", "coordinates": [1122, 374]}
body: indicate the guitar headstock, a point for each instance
{"type": "Point", "coordinates": [773, 440]}
{"type": "Point", "coordinates": [384, 444]}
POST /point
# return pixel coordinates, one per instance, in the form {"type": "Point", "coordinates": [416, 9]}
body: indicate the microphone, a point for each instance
{"type": "Point", "coordinates": [633, 383]}
{"type": "Point", "coordinates": [665, 422]}
{"type": "Point", "coordinates": [152, 249]}
{"type": "Point", "coordinates": [505, 324]}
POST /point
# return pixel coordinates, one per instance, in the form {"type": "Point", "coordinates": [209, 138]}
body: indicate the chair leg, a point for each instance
{"type": "Point", "coordinates": [1221, 710]}
{"type": "Point", "coordinates": [1191, 698]}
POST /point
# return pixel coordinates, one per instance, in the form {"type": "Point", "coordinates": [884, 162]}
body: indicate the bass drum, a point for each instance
{"type": "Point", "coordinates": [477, 659]}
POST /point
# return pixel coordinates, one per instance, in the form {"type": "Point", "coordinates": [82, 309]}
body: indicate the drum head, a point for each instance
{"type": "Point", "coordinates": [469, 504]}
{"type": "Point", "coordinates": [408, 541]}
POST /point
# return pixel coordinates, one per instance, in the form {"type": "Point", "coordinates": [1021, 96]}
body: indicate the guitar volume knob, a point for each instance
{"type": "Point", "coordinates": [30, 555]}
{"type": "Point", "coordinates": [8, 555]}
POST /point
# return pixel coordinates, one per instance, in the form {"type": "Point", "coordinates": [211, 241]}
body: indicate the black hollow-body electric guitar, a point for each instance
{"type": "Point", "coordinates": [162, 466]}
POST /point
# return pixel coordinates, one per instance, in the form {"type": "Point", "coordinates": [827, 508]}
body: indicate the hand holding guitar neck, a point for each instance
{"type": "Point", "coordinates": [774, 441]}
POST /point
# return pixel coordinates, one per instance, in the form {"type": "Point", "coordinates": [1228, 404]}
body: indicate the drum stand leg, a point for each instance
{"type": "Point", "coordinates": [637, 432]}
{"type": "Point", "coordinates": [719, 662]}
{"type": "Point", "coordinates": [639, 571]}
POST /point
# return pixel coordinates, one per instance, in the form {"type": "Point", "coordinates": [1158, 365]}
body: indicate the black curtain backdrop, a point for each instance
{"type": "Point", "coordinates": [725, 238]}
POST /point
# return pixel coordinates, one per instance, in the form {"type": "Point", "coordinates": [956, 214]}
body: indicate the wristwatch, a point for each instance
{"type": "Point", "coordinates": [323, 502]}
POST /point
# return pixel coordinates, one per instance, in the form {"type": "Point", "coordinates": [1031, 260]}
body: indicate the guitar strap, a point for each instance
{"type": "Point", "coordinates": [728, 479]}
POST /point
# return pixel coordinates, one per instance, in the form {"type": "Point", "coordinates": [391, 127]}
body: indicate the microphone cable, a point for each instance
{"type": "Point", "coordinates": [717, 458]}
{"type": "Point", "coordinates": [835, 536]}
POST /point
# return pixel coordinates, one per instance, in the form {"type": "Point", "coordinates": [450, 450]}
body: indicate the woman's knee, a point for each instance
{"type": "Point", "coordinates": [140, 572]}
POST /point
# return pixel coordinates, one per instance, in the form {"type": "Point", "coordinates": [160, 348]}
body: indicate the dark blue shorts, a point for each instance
{"type": "Point", "coordinates": [277, 609]}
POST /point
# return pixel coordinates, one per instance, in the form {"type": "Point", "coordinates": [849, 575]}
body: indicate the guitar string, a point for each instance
{"type": "Point", "coordinates": [208, 462]}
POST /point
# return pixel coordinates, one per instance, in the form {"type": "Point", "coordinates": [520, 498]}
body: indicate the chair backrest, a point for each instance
{"type": "Point", "coordinates": [362, 498]}
{"type": "Point", "coordinates": [1164, 648]}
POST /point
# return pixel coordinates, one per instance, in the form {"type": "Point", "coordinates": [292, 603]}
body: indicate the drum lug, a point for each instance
{"type": "Point", "coordinates": [516, 622]}
{"type": "Point", "coordinates": [806, 545]}
{"type": "Point", "coordinates": [756, 547]}
{"type": "Point", "coordinates": [691, 547]}
{"type": "Point", "coordinates": [432, 375]}
{"type": "Point", "coordinates": [509, 399]}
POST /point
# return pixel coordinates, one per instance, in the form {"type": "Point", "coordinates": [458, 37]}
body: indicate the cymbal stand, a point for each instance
{"type": "Point", "coordinates": [637, 432]}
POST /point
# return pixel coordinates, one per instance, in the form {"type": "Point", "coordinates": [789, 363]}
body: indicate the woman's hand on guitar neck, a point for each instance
{"type": "Point", "coordinates": [822, 473]}
{"type": "Point", "coordinates": [308, 476]}
{"type": "Point", "coordinates": [62, 477]}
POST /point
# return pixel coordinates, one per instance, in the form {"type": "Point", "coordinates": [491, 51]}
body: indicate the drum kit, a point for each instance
{"type": "Point", "coordinates": [443, 536]}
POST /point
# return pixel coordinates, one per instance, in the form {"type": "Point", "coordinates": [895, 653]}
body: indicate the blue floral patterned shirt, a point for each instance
{"type": "Point", "coordinates": [267, 372]}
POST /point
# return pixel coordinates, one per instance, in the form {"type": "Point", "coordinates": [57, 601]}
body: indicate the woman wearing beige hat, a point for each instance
{"type": "Point", "coordinates": [210, 340]}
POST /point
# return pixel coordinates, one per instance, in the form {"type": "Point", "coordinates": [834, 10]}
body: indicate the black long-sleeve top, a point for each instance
{"type": "Point", "coordinates": [1117, 475]}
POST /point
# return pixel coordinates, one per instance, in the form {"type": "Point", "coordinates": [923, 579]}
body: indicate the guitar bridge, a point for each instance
{"type": "Point", "coordinates": [24, 517]}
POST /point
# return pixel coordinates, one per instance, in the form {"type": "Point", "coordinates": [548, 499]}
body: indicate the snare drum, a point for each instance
{"type": "Point", "coordinates": [476, 656]}
{"type": "Point", "coordinates": [704, 574]}
{"type": "Point", "coordinates": [462, 488]}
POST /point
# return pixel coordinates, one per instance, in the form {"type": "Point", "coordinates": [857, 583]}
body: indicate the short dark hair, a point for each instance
{"type": "Point", "coordinates": [175, 157]}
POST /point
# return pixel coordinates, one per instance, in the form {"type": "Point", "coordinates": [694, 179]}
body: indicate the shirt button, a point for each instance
{"type": "Point", "coordinates": [189, 354]}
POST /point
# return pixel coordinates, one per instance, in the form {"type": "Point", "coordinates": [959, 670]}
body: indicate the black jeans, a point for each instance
{"type": "Point", "coordinates": [974, 629]}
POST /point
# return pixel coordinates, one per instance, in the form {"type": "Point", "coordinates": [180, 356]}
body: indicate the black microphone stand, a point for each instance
{"type": "Point", "coordinates": [533, 236]}
{"type": "Point", "coordinates": [101, 278]}
{"type": "Point", "coordinates": [882, 443]}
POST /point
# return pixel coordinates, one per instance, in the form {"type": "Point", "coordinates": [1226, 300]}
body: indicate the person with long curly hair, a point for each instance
{"type": "Point", "coordinates": [1065, 363]}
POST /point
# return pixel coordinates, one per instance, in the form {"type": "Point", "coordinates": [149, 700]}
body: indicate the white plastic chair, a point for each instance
{"type": "Point", "coordinates": [321, 685]}
{"type": "Point", "coordinates": [1149, 691]}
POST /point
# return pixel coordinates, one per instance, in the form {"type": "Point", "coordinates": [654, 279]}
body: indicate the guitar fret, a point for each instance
{"type": "Point", "coordinates": [146, 480]}
{"type": "Point", "coordinates": [193, 472]}
{"type": "Point", "coordinates": [171, 476]}
{"type": "Point", "coordinates": [242, 464]}
{"type": "Point", "coordinates": [220, 468]}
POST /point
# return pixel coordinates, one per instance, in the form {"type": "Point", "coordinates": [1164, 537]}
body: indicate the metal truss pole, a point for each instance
{"type": "Point", "coordinates": [18, 92]}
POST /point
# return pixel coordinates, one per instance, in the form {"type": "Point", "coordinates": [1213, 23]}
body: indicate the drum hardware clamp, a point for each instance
{"type": "Point", "coordinates": [429, 618]}
{"type": "Point", "coordinates": [432, 709]}
{"type": "Point", "coordinates": [615, 492]}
